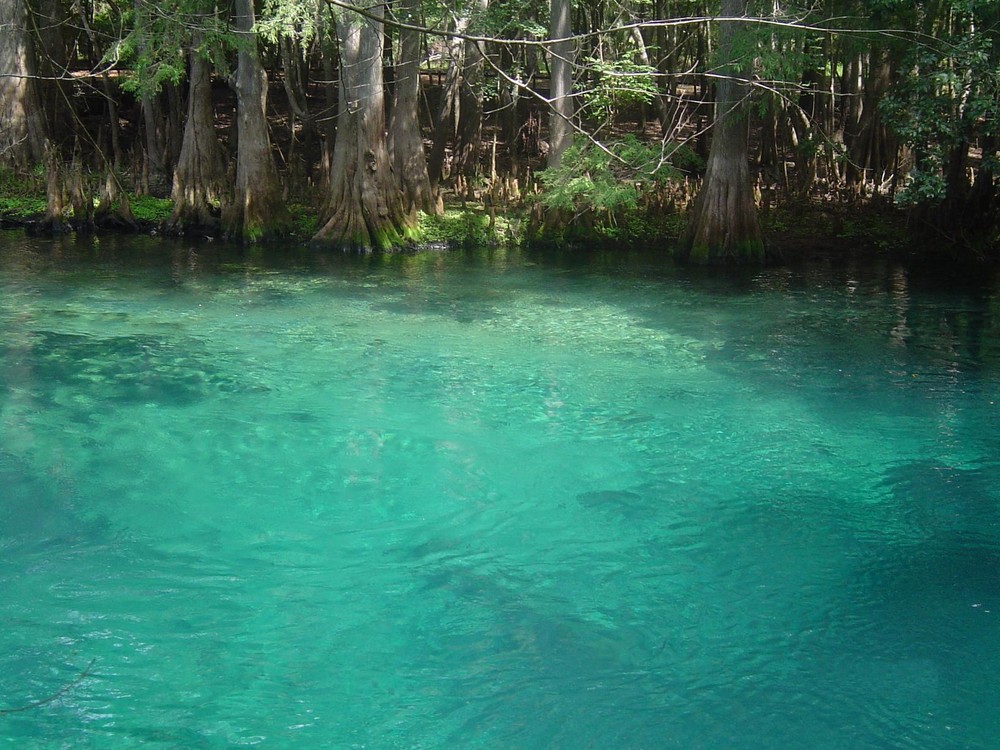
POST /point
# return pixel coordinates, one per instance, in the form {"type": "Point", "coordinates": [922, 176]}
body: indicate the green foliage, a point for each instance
{"type": "Point", "coordinates": [516, 19]}
{"type": "Point", "coordinates": [468, 227]}
{"type": "Point", "coordinates": [151, 210]}
{"type": "Point", "coordinates": [584, 180]}
{"type": "Point", "coordinates": [22, 196]}
{"type": "Point", "coordinates": [948, 93]}
{"type": "Point", "coordinates": [592, 179]}
{"type": "Point", "coordinates": [292, 19]}
{"type": "Point", "coordinates": [21, 207]}
{"type": "Point", "coordinates": [616, 85]}
{"type": "Point", "coordinates": [154, 50]}
{"type": "Point", "coordinates": [625, 195]}
{"type": "Point", "coordinates": [925, 185]}
{"type": "Point", "coordinates": [18, 185]}
{"type": "Point", "coordinates": [303, 220]}
{"type": "Point", "coordinates": [924, 108]}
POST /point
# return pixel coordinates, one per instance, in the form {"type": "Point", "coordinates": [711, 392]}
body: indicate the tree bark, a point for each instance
{"type": "Point", "coordinates": [469, 135]}
{"type": "Point", "coordinates": [110, 98]}
{"type": "Point", "coordinates": [50, 18]}
{"type": "Point", "coordinates": [200, 173]}
{"type": "Point", "coordinates": [327, 119]}
{"type": "Point", "coordinates": [22, 128]}
{"type": "Point", "coordinates": [364, 211]}
{"type": "Point", "coordinates": [295, 81]}
{"type": "Point", "coordinates": [447, 105]}
{"type": "Point", "coordinates": [257, 211]}
{"type": "Point", "coordinates": [562, 50]}
{"type": "Point", "coordinates": [406, 145]}
{"type": "Point", "coordinates": [723, 227]}
{"type": "Point", "coordinates": [866, 141]}
{"type": "Point", "coordinates": [156, 162]}
{"type": "Point", "coordinates": [981, 202]}
{"type": "Point", "coordinates": [659, 101]}
{"type": "Point", "coordinates": [55, 192]}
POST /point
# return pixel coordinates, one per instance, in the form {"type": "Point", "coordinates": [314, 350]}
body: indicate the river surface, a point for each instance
{"type": "Point", "coordinates": [493, 500]}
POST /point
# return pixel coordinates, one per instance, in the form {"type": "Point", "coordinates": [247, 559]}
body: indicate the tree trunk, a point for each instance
{"type": "Point", "coordinates": [723, 226]}
{"type": "Point", "coordinates": [447, 104]}
{"type": "Point", "coordinates": [200, 174]}
{"type": "Point", "coordinates": [294, 81]}
{"type": "Point", "coordinates": [469, 135]}
{"type": "Point", "coordinates": [81, 197]}
{"type": "Point", "coordinates": [156, 162]}
{"type": "Point", "coordinates": [327, 121]}
{"type": "Point", "coordinates": [659, 101]}
{"type": "Point", "coordinates": [55, 191]}
{"type": "Point", "coordinates": [703, 51]}
{"type": "Point", "coordinates": [406, 145]}
{"type": "Point", "coordinates": [510, 117]}
{"type": "Point", "coordinates": [364, 211]}
{"type": "Point", "coordinates": [50, 20]}
{"type": "Point", "coordinates": [257, 211]}
{"type": "Point", "coordinates": [152, 123]}
{"type": "Point", "coordinates": [22, 128]}
{"type": "Point", "coordinates": [866, 144]}
{"type": "Point", "coordinates": [981, 202]}
{"type": "Point", "coordinates": [563, 52]}
{"type": "Point", "coordinates": [110, 98]}
{"type": "Point", "coordinates": [114, 208]}
{"type": "Point", "coordinates": [957, 186]}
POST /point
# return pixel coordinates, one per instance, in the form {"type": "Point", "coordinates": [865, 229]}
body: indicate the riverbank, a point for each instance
{"type": "Point", "coordinates": [794, 232]}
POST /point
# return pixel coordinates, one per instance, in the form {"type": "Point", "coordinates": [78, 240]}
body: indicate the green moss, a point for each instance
{"type": "Point", "coordinates": [411, 234]}
{"type": "Point", "coordinates": [386, 238]}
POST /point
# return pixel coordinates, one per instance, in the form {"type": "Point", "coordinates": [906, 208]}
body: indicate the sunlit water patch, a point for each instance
{"type": "Point", "coordinates": [492, 500]}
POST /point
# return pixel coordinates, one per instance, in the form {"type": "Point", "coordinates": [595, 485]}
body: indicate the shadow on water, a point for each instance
{"type": "Point", "coordinates": [508, 645]}
{"type": "Point", "coordinates": [931, 572]}
{"type": "Point", "coordinates": [38, 508]}
{"type": "Point", "coordinates": [125, 369]}
{"type": "Point", "coordinates": [962, 495]}
{"type": "Point", "coordinates": [917, 633]}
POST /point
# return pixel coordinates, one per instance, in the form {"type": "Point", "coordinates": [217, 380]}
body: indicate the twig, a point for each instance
{"type": "Point", "coordinates": [56, 695]}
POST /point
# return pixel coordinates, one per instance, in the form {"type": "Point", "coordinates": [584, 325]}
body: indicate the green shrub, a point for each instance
{"type": "Point", "coordinates": [149, 209]}
{"type": "Point", "coordinates": [619, 190]}
{"type": "Point", "coordinates": [14, 184]}
{"type": "Point", "coordinates": [468, 227]}
{"type": "Point", "coordinates": [21, 207]}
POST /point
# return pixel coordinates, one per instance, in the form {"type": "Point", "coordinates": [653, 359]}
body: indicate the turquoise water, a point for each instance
{"type": "Point", "coordinates": [492, 500]}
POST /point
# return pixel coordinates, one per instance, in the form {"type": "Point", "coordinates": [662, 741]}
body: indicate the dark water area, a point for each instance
{"type": "Point", "coordinates": [494, 499]}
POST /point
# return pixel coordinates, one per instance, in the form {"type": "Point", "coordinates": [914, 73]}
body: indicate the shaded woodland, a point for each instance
{"type": "Point", "coordinates": [590, 117]}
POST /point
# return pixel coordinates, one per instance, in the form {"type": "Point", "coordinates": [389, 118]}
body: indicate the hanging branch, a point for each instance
{"type": "Point", "coordinates": [825, 27]}
{"type": "Point", "coordinates": [55, 696]}
{"type": "Point", "coordinates": [546, 45]}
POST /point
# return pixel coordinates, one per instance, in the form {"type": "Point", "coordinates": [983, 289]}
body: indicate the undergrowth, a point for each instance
{"type": "Point", "coordinates": [470, 227]}
{"type": "Point", "coordinates": [151, 210]}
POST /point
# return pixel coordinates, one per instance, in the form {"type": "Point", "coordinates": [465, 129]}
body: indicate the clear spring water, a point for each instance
{"type": "Point", "coordinates": [489, 500]}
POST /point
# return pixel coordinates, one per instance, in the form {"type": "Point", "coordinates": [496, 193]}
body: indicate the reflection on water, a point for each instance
{"type": "Point", "coordinates": [493, 499]}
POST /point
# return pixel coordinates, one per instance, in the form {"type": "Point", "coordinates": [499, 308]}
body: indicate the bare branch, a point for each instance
{"type": "Point", "coordinates": [826, 27]}
{"type": "Point", "coordinates": [54, 696]}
